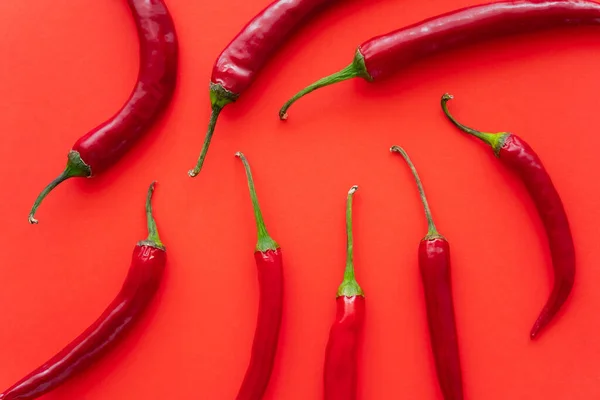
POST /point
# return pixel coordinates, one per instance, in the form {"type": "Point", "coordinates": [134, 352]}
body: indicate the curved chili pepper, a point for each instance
{"type": "Point", "coordinates": [269, 264]}
{"type": "Point", "coordinates": [341, 354]}
{"type": "Point", "coordinates": [142, 281]}
{"type": "Point", "coordinates": [434, 264]}
{"type": "Point", "coordinates": [382, 56]}
{"type": "Point", "coordinates": [517, 155]}
{"type": "Point", "coordinates": [238, 64]}
{"type": "Point", "coordinates": [100, 148]}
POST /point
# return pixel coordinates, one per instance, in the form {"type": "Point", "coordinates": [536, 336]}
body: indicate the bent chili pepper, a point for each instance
{"type": "Point", "coordinates": [269, 264]}
{"type": "Point", "coordinates": [341, 354]}
{"type": "Point", "coordinates": [100, 148]}
{"type": "Point", "coordinates": [435, 266]}
{"type": "Point", "coordinates": [518, 156]}
{"type": "Point", "coordinates": [382, 56]}
{"type": "Point", "coordinates": [142, 281]}
{"type": "Point", "coordinates": [238, 64]}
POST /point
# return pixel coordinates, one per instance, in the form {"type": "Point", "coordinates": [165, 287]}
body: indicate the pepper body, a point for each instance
{"type": "Point", "coordinates": [341, 354]}
{"type": "Point", "coordinates": [104, 145]}
{"type": "Point", "coordinates": [340, 373]}
{"type": "Point", "coordinates": [521, 158]}
{"type": "Point", "coordinates": [141, 284]}
{"type": "Point", "coordinates": [269, 263]}
{"type": "Point", "coordinates": [264, 347]}
{"type": "Point", "coordinates": [238, 64]}
{"type": "Point", "coordinates": [236, 67]}
{"type": "Point", "coordinates": [384, 54]}
{"type": "Point", "coordinates": [434, 266]}
{"type": "Point", "coordinates": [518, 156]}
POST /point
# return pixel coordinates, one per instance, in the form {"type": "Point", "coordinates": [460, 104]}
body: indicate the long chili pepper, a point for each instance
{"type": "Point", "coordinates": [141, 283]}
{"type": "Point", "coordinates": [382, 56]}
{"type": "Point", "coordinates": [269, 264]}
{"type": "Point", "coordinates": [341, 354]}
{"type": "Point", "coordinates": [435, 266]}
{"type": "Point", "coordinates": [100, 148]}
{"type": "Point", "coordinates": [517, 155]}
{"type": "Point", "coordinates": [239, 63]}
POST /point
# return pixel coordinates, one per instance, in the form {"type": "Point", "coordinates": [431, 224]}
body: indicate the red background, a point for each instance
{"type": "Point", "coordinates": [68, 65]}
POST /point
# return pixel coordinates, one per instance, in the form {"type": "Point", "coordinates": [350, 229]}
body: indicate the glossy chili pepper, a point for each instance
{"type": "Point", "coordinates": [384, 55]}
{"type": "Point", "coordinates": [517, 155]}
{"type": "Point", "coordinates": [341, 354]}
{"type": "Point", "coordinates": [269, 264]}
{"type": "Point", "coordinates": [142, 281]}
{"type": "Point", "coordinates": [435, 266]}
{"type": "Point", "coordinates": [100, 148]}
{"type": "Point", "coordinates": [239, 63]}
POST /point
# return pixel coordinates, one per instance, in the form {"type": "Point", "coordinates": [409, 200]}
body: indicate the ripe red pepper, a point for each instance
{"type": "Point", "coordinates": [382, 56]}
{"type": "Point", "coordinates": [100, 148]}
{"type": "Point", "coordinates": [142, 281]}
{"type": "Point", "coordinates": [434, 265]}
{"type": "Point", "coordinates": [239, 63]}
{"type": "Point", "coordinates": [269, 264]}
{"type": "Point", "coordinates": [517, 155]}
{"type": "Point", "coordinates": [341, 354]}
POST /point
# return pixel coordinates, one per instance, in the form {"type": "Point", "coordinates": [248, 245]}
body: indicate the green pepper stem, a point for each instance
{"type": "Point", "coordinates": [349, 286]}
{"type": "Point", "coordinates": [219, 98]}
{"type": "Point", "coordinates": [431, 228]}
{"type": "Point", "coordinates": [75, 168]}
{"type": "Point", "coordinates": [214, 115]}
{"type": "Point", "coordinates": [153, 238]}
{"type": "Point", "coordinates": [495, 140]}
{"type": "Point", "coordinates": [356, 69]}
{"type": "Point", "coordinates": [264, 242]}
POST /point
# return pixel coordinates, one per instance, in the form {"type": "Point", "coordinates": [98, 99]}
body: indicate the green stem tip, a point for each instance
{"type": "Point", "coordinates": [219, 98]}
{"type": "Point", "coordinates": [495, 140]}
{"type": "Point", "coordinates": [432, 231]}
{"type": "Point", "coordinates": [356, 69]}
{"type": "Point", "coordinates": [264, 242]}
{"type": "Point", "coordinates": [76, 167]}
{"type": "Point", "coordinates": [153, 239]}
{"type": "Point", "coordinates": [349, 286]}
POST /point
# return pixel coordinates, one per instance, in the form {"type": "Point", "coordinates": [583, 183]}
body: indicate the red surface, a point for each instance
{"type": "Point", "coordinates": [67, 65]}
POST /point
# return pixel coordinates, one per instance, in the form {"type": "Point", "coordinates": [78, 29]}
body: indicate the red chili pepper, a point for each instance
{"type": "Point", "coordinates": [142, 281]}
{"type": "Point", "coordinates": [516, 154]}
{"type": "Point", "coordinates": [237, 65]}
{"type": "Point", "coordinates": [341, 355]}
{"type": "Point", "coordinates": [269, 264]}
{"type": "Point", "coordinates": [435, 266]}
{"type": "Point", "coordinates": [100, 148]}
{"type": "Point", "coordinates": [384, 55]}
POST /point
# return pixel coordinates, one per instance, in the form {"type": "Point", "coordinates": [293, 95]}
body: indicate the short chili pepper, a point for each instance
{"type": "Point", "coordinates": [138, 290]}
{"type": "Point", "coordinates": [518, 156]}
{"type": "Point", "coordinates": [239, 63]}
{"type": "Point", "coordinates": [341, 354]}
{"type": "Point", "coordinates": [269, 264]}
{"type": "Point", "coordinates": [435, 268]}
{"type": "Point", "coordinates": [382, 56]}
{"type": "Point", "coordinates": [103, 146]}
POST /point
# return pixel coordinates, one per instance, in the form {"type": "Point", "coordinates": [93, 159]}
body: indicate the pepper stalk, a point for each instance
{"type": "Point", "coordinates": [264, 241]}
{"type": "Point", "coordinates": [349, 286]}
{"type": "Point", "coordinates": [432, 232]}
